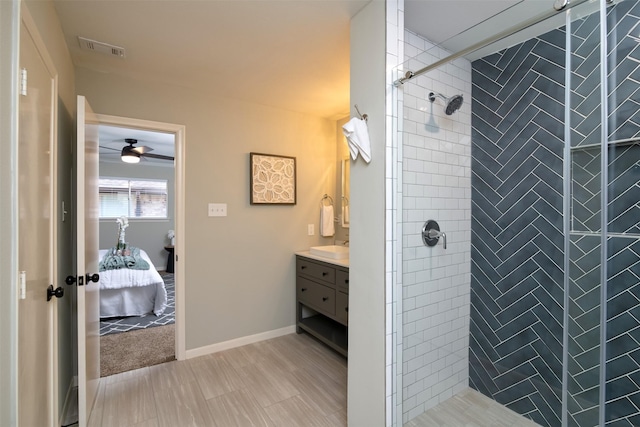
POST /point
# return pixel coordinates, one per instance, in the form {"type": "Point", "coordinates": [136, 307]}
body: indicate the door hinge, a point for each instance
{"type": "Point", "coordinates": [22, 284]}
{"type": "Point", "coordinates": [23, 82]}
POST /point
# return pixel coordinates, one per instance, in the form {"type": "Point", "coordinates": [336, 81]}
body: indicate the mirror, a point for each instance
{"type": "Point", "coordinates": [345, 192]}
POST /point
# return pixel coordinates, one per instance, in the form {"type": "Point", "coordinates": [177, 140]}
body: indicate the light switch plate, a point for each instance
{"type": "Point", "coordinates": [217, 209]}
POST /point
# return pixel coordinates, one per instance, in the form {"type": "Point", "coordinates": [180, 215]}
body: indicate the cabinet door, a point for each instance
{"type": "Point", "coordinates": [342, 307]}
{"type": "Point", "coordinates": [342, 280]}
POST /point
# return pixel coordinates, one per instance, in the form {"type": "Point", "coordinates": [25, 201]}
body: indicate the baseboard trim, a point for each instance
{"type": "Point", "coordinates": [239, 342]}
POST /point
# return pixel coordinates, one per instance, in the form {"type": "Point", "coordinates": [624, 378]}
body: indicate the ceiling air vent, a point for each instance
{"type": "Point", "coordinates": [99, 47]}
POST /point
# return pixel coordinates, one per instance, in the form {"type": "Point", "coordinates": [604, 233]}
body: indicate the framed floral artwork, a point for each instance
{"type": "Point", "coordinates": [273, 179]}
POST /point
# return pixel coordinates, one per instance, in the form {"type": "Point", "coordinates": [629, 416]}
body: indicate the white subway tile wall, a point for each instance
{"type": "Point", "coordinates": [393, 221]}
{"type": "Point", "coordinates": [435, 184]}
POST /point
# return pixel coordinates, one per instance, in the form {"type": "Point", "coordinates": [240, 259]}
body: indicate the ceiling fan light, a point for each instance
{"type": "Point", "coordinates": [130, 159]}
{"type": "Point", "coordinates": [129, 156]}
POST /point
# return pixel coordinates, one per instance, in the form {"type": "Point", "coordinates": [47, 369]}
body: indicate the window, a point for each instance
{"type": "Point", "coordinates": [133, 198]}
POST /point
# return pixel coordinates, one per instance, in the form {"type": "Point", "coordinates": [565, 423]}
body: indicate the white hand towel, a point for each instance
{"type": "Point", "coordinates": [358, 138]}
{"type": "Point", "coordinates": [327, 228]}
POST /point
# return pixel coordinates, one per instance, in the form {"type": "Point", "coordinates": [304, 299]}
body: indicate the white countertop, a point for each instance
{"type": "Point", "coordinates": [341, 262]}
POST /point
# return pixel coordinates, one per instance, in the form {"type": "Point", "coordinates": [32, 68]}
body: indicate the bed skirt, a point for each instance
{"type": "Point", "coordinates": [135, 301]}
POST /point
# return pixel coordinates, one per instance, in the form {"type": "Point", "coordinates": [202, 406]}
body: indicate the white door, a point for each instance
{"type": "Point", "coordinates": [37, 389]}
{"type": "Point", "coordinates": [87, 211]}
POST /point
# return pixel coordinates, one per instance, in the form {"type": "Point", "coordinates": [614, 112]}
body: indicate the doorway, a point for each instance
{"type": "Point", "coordinates": [158, 240]}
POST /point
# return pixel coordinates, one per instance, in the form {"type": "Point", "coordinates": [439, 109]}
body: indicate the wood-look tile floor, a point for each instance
{"type": "Point", "coordinates": [287, 381]}
{"type": "Point", "coordinates": [470, 408]}
{"type": "Point", "coordinates": [290, 381]}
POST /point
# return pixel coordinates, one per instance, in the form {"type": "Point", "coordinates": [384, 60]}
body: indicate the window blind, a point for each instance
{"type": "Point", "coordinates": [133, 198]}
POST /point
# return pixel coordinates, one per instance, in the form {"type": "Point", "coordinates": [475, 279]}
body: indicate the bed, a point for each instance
{"type": "Point", "coordinates": [126, 292]}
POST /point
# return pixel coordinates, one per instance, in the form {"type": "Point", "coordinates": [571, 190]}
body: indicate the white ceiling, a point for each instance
{"type": "Point", "coordinates": [288, 54]}
{"type": "Point", "coordinates": [458, 24]}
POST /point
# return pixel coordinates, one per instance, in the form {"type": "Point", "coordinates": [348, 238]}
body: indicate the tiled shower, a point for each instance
{"type": "Point", "coordinates": [536, 300]}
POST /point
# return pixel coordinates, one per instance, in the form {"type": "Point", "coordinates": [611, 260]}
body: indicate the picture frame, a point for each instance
{"type": "Point", "coordinates": [272, 179]}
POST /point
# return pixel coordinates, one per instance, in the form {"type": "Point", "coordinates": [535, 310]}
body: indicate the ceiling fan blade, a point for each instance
{"type": "Point", "coordinates": [142, 149]}
{"type": "Point", "coordinates": [157, 156]}
{"type": "Point", "coordinates": [109, 148]}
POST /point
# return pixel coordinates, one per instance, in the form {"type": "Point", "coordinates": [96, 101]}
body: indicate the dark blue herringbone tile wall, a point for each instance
{"type": "Point", "coordinates": [583, 349]}
{"type": "Point", "coordinates": [622, 390]}
{"type": "Point", "coordinates": [623, 333]}
{"type": "Point", "coordinates": [516, 289]}
{"type": "Point", "coordinates": [517, 240]}
{"type": "Point", "coordinates": [624, 74]}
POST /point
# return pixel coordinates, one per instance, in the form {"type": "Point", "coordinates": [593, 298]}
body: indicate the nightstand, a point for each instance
{"type": "Point", "coordinates": [169, 258]}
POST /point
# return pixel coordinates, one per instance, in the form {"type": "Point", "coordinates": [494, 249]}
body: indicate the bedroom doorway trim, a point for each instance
{"type": "Point", "coordinates": [179, 133]}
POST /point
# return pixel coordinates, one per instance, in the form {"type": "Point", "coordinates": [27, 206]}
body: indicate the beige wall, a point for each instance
{"type": "Point", "coordinates": [240, 268]}
{"type": "Point", "coordinates": [366, 383]}
{"type": "Point", "coordinates": [150, 235]}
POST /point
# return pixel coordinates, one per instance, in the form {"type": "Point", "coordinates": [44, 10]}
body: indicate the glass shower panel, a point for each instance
{"type": "Point", "coordinates": [583, 286]}
{"type": "Point", "coordinates": [622, 390]}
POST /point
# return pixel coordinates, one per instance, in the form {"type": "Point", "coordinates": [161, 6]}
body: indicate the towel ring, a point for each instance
{"type": "Point", "coordinates": [326, 197]}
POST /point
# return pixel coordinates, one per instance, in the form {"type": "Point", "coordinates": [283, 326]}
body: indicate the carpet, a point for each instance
{"type": "Point", "coordinates": [136, 349]}
{"type": "Point", "coordinates": [115, 325]}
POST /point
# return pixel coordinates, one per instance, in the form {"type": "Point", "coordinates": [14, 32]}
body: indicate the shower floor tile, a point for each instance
{"type": "Point", "coordinates": [470, 408]}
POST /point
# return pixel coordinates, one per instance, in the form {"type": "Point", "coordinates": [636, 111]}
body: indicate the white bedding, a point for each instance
{"type": "Point", "coordinates": [126, 292]}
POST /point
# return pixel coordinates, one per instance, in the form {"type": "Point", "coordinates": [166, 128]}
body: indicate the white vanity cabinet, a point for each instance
{"type": "Point", "coordinates": [322, 301]}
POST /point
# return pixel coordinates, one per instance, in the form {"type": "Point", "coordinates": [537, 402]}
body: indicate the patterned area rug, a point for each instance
{"type": "Point", "coordinates": [115, 325]}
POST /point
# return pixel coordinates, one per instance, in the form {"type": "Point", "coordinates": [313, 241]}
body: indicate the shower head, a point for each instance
{"type": "Point", "coordinates": [452, 104]}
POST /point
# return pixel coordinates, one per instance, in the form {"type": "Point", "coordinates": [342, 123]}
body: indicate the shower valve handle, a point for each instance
{"type": "Point", "coordinates": [431, 234]}
{"type": "Point", "coordinates": [435, 234]}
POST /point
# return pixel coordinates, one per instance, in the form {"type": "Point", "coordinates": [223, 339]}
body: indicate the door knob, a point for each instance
{"type": "Point", "coordinates": [70, 280]}
{"type": "Point", "coordinates": [58, 293]}
{"type": "Point", "coordinates": [95, 277]}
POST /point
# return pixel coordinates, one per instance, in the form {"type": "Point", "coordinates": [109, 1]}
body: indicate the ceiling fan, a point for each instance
{"type": "Point", "coordinates": [131, 154]}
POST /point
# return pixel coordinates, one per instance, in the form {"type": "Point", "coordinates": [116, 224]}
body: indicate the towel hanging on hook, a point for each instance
{"type": "Point", "coordinates": [362, 116]}
{"type": "Point", "coordinates": [357, 134]}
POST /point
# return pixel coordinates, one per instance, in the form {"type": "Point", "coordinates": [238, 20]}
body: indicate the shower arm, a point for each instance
{"type": "Point", "coordinates": [432, 96]}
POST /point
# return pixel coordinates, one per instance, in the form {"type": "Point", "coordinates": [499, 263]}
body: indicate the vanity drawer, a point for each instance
{"type": "Point", "coordinates": [342, 307]}
{"type": "Point", "coordinates": [316, 295]}
{"type": "Point", "coordinates": [342, 280]}
{"type": "Point", "coordinates": [316, 270]}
